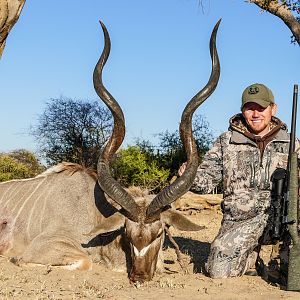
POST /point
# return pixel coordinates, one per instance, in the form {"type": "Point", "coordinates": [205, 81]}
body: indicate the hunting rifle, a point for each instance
{"type": "Point", "coordinates": [285, 204]}
{"type": "Point", "coordinates": [292, 205]}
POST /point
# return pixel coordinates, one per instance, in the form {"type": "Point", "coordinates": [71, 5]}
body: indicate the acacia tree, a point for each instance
{"type": "Point", "coordinates": [10, 11]}
{"type": "Point", "coordinates": [72, 130]}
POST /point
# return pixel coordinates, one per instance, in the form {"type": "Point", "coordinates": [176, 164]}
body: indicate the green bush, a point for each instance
{"type": "Point", "coordinates": [19, 164]}
{"type": "Point", "coordinates": [10, 168]}
{"type": "Point", "coordinates": [131, 167]}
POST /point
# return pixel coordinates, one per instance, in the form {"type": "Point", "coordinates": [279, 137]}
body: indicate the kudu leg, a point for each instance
{"type": "Point", "coordinates": [55, 250]}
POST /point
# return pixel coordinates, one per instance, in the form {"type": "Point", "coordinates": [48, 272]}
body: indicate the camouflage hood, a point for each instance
{"type": "Point", "coordinates": [241, 131]}
{"type": "Point", "coordinates": [238, 123]}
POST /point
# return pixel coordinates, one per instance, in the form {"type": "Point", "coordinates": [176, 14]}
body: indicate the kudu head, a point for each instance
{"type": "Point", "coordinates": [144, 219]}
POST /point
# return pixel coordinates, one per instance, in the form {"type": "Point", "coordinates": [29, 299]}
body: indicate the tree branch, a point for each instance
{"type": "Point", "coordinates": [10, 11]}
{"type": "Point", "coordinates": [281, 10]}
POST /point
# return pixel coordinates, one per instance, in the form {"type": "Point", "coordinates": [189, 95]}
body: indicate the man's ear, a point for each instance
{"type": "Point", "coordinates": [274, 109]}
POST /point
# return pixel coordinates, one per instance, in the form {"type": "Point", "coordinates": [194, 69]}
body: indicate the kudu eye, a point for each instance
{"type": "Point", "coordinates": [4, 224]}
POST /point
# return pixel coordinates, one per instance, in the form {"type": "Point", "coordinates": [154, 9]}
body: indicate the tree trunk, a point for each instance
{"type": "Point", "coordinates": [10, 11]}
{"type": "Point", "coordinates": [277, 8]}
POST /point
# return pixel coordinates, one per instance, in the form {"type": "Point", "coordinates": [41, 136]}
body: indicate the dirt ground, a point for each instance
{"type": "Point", "coordinates": [174, 283]}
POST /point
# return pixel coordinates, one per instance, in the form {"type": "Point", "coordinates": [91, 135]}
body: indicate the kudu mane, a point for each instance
{"type": "Point", "coordinates": [72, 168]}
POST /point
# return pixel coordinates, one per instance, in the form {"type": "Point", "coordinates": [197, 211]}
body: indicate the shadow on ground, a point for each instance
{"type": "Point", "coordinates": [197, 250]}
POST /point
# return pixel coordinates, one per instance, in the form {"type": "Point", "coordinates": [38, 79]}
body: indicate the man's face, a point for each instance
{"type": "Point", "coordinates": [258, 117]}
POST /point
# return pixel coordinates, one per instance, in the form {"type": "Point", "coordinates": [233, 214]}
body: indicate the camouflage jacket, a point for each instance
{"type": "Point", "coordinates": [236, 160]}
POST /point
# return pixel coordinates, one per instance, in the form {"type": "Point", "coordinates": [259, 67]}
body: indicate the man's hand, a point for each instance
{"type": "Point", "coordinates": [182, 169]}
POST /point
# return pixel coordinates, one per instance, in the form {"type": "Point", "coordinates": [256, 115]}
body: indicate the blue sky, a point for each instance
{"type": "Point", "coordinates": [159, 60]}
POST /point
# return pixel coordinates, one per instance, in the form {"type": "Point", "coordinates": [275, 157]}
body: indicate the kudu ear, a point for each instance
{"type": "Point", "coordinates": [112, 223]}
{"type": "Point", "coordinates": [180, 222]}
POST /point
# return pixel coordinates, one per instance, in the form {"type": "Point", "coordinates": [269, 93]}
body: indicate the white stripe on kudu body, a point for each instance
{"type": "Point", "coordinates": [29, 197]}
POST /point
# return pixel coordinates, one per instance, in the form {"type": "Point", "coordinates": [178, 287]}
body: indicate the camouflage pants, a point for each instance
{"type": "Point", "coordinates": [232, 251]}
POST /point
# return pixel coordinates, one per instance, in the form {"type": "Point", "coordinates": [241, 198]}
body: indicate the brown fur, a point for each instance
{"type": "Point", "coordinates": [136, 191]}
{"type": "Point", "coordinates": [70, 168]}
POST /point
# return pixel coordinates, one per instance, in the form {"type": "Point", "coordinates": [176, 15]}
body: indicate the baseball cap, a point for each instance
{"type": "Point", "coordinates": [258, 93]}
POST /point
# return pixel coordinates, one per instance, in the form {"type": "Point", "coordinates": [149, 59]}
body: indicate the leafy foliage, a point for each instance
{"type": "Point", "coordinates": [132, 167]}
{"type": "Point", "coordinates": [75, 131]}
{"type": "Point", "coordinates": [28, 159]}
{"type": "Point", "coordinates": [72, 130]}
{"type": "Point", "coordinates": [19, 164]}
{"type": "Point", "coordinates": [172, 153]}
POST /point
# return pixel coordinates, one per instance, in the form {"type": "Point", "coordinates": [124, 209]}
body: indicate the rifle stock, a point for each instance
{"type": "Point", "coordinates": [293, 283]}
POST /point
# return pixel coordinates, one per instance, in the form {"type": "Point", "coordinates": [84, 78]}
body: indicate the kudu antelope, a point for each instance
{"type": "Point", "coordinates": [71, 217]}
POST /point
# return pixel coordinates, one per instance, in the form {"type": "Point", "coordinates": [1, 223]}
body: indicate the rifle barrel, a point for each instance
{"type": "Point", "coordinates": [293, 283]}
{"type": "Point", "coordinates": [294, 118]}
